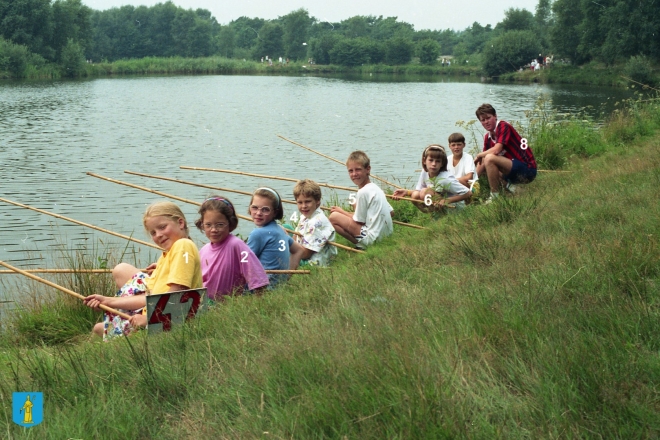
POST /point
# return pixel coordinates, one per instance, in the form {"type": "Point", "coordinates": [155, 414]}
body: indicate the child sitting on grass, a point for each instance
{"type": "Point", "coordinates": [436, 180]}
{"type": "Point", "coordinates": [314, 226]}
{"type": "Point", "coordinates": [274, 248]}
{"type": "Point", "coordinates": [372, 218]}
{"type": "Point", "coordinates": [177, 269]}
{"type": "Point", "coordinates": [459, 163]}
{"type": "Point", "coordinates": [228, 264]}
{"type": "Point", "coordinates": [506, 156]}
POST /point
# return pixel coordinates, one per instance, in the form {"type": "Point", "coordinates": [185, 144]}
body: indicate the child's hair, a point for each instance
{"type": "Point", "coordinates": [456, 138]}
{"type": "Point", "coordinates": [435, 152]}
{"type": "Point", "coordinates": [485, 110]}
{"type": "Point", "coordinates": [221, 205]}
{"type": "Point", "coordinates": [307, 188]}
{"type": "Point", "coordinates": [165, 209]}
{"type": "Point", "coordinates": [359, 157]}
{"type": "Point", "coordinates": [271, 195]}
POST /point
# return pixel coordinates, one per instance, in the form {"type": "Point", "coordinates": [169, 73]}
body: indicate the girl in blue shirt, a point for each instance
{"type": "Point", "coordinates": [268, 240]}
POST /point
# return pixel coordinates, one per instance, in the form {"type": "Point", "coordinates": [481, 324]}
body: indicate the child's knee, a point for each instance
{"type": "Point", "coordinates": [98, 329]}
{"type": "Point", "coordinates": [123, 272]}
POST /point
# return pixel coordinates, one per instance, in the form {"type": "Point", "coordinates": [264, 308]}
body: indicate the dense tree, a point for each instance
{"type": "Point", "coordinates": [510, 51]}
{"type": "Point", "coordinates": [226, 41]}
{"type": "Point", "coordinates": [71, 23]}
{"type": "Point", "coordinates": [29, 23]}
{"type": "Point", "coordinates": [270, 41]}
{"type": "Point", "coordinates": [319, 48]}
{"type": "Point", "coordinates": [356, 51]}
{"type": "Point", "coordinates": [385, 29]}
{"type": "Point", "coordinates": [296, 25]}
{"type": "Point", "coordinates": [247, 31]}
{"type": "Point", "coordinates": [428, 51]}
{"type": "Point", "coordinates": [516, 20]}
{"type": "Point", "coordinates": [72, 59]}
{"type": "Point", "coordinates": [399, 50]}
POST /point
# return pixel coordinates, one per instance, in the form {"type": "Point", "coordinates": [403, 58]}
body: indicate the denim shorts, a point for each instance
{"type": "Point", "coordinates": [520, 173]}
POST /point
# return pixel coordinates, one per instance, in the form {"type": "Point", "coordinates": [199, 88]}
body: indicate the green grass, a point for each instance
{"type": "Point", "coordinates": [535, 317]}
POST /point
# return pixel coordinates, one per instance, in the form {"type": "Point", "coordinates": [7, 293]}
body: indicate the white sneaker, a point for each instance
{"type": "Point", "coordinates": [511, 188]}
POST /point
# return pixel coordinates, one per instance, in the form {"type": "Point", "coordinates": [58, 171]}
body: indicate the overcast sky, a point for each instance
{"type": "Point", "coordinates": [423, 14]}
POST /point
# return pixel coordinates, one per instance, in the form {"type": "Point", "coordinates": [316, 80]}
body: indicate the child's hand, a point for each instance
{"type": "Point", "coordinates": [149, 269]}
{"type": "Point", "coordinates": [439, 204]}
{"type": "Point", "coordinates": [399, 193]}
{"type": "Point", "coordinates": [94, 301]}
{"type": "Point", "coordinates": [138, 320]}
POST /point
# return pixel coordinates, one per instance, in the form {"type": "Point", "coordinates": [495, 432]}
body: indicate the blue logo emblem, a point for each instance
{"type": "Point", "coordinates": [28, 408]}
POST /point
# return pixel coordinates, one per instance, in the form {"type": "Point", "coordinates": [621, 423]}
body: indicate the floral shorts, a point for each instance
{"type": "Point", "coordinates": [114, 325]}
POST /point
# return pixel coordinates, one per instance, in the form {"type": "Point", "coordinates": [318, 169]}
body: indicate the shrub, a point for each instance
{"type": "Point", "coordinates": [72, 59]}
{"type": "Point", "coordinates": [638, 68]}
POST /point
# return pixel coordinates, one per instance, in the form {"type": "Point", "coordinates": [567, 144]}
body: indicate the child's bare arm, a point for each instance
{"type": "Point", "coordinates": [125, 302]}
{"type": "Point", "coordinates": [464, 179]}
{"type": "Point", "coordinates": [296, 255]}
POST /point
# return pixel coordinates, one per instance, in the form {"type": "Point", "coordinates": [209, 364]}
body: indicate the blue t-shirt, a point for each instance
{"type": "Point", "coordinates": [271, 245]}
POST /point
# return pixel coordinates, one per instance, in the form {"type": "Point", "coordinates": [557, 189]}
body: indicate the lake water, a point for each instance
{"type": "Point", "coordinates": [52, 133]}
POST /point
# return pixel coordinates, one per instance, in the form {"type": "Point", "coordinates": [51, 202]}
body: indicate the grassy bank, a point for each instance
{"type": "Point", "coordinates": [594, 74]}
{"type": "Point", "coordinates": [536, 316]}
{"type": "Point", "coordinates": [221, 65]}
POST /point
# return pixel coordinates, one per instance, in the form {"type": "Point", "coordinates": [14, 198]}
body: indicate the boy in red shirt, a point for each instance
{"type": "Point", "coordinates": [506, 156]}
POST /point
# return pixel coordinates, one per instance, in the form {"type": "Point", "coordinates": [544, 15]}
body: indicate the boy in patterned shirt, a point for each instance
{"type": "Point", "coordinates": [314, 226]}
{"type": "Point", "coordinates": [506, 156]}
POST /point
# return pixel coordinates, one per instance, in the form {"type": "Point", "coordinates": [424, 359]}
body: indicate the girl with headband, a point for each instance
{"type": "Point", "coordinates": [274, 248]}
{"type": "Point", "coordinates": [436, 186]}
{"type": "Point", "coordinates": [228, 264]}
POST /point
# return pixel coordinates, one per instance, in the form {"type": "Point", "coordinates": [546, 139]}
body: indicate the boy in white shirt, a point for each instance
{"type": "Point", "coordinates": [372, 218]}
{"type": "Point", "coordinates": [460, 164]}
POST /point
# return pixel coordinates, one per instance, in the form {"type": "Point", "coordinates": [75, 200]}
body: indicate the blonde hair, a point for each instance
{"type": "Point", "coordinates": [307, 188]}
{"type": "Point", "coordinates": [165, 209]}
{"type": "Point", "coordinates": [359, 157]}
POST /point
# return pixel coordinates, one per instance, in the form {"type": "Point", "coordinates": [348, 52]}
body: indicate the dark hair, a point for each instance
{"type": "Point", "coordinates": [271, 195]}
{"type": "Point", "coordinates": [307, 188]}
{"type": "Point", "coordinates": [455, 138]}
{"type": "Point", "coordinates": [436, 152]}
{"type": "Point", "coordinates": [221, 205]}
{"type": "Point", "coordinates": [484, 110]}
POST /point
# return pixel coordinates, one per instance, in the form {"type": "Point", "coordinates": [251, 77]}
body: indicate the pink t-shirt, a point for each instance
{"type": "Point", "coordinates": [228, 266]}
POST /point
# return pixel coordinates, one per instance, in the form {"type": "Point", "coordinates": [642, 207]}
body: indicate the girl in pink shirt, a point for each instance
{"type": "Point", "coordinates": [228, 264]}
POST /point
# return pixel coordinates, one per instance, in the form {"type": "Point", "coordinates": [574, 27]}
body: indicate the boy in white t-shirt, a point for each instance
{"type": "Point", "coordinates": [460, 164]}
{"type": "Point", "coordinates": [372, 218]}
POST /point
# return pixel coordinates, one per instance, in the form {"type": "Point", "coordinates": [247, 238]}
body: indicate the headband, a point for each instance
{"type": "Point", "coordinates": [277, 197]}
{"type": "Point", "coordinates": [220, 199]}
{"type": "Point", "coordinates": [433, 146]}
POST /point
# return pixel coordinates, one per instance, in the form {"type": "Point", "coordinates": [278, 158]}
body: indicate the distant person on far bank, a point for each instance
{"type": "Point", "coordinates": [506, 156]}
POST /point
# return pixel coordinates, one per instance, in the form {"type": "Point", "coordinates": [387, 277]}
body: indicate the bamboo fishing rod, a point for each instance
{"type": "Point", "coordinates": [125, 237]}
{"type": "Point", "coordinates": [62, 289]}
{"type": "Point", "coordinates": [102, 271]}
{"type": "Point", "coordinates": [336, 160]}
{"type": "Point", "coordinates": [181, 199]}
{"type": "Point", "coordinates": [288, 179]}
{"type": "Point", "coordinates": [325, 208]}
{"type": "Point", "coordinates": [201, 185]}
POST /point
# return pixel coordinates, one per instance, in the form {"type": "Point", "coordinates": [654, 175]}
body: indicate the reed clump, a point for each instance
{"type": "Point", "coordinates": [542, 321]}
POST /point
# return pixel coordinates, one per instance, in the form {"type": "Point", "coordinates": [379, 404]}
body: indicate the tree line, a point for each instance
{"type": "Point", "coordinates": [66, 32]}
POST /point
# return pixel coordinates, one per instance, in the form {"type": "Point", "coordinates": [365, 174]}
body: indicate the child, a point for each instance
{"type": "Point", "coordinates": [372, 218]}
{"type": "Point", "coordinates": [460, 164]}
{"type": "Point", "coordinates": [505, 156]}
{"type": "Point", "coordinates": [228, 264]}
{"type": "Point", "coordinates": [314, 226]}
{"type": "Point", "coordinates": [274, 248]}
{"type": "Point", "coordinates": [177, 269]}
{"type": "Point", "coordinates": [435, 179]}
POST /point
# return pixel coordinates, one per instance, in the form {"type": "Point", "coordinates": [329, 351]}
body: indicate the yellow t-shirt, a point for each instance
{"type": "Point", "coordinates": [180, 265]}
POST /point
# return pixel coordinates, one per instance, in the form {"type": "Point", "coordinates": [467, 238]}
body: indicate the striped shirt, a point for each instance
{"type": "Point", "coordinates": [506, 135]}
